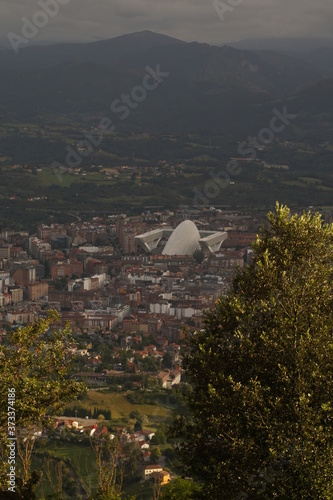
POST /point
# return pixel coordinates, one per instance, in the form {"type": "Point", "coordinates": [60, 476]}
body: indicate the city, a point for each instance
{"type": "Point", "coordinates": [166, 250]}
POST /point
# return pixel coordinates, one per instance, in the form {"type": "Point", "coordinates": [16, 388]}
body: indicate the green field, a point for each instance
{"type": "Point", "coordinates": [120, 407]}
{"type": "Point", "coordinates": [169, 171]}
{"type": "Point", "coordinates": [311, 180]}
{"type": "Point", "coordinates": [82, 466]}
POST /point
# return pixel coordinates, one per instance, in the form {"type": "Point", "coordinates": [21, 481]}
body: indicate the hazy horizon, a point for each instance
{"type": "Point", "coordinates": [215, 22]}
{"type": "Point", "coordinates": [295, 43]}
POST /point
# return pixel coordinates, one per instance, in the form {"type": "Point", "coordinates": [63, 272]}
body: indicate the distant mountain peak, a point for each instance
{"type": "Point", "coordinates": [146, 35]}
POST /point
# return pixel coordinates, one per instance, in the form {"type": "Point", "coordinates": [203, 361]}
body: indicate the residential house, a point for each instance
{"type": "Point", "coordinates": [151, 470]}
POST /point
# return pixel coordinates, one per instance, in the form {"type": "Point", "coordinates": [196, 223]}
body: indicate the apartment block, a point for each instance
{"type": "Point", "coordinates": [38, 290]}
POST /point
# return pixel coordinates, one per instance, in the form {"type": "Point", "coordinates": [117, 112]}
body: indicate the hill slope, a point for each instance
{"type": "Point", "coordinates": [209, 88]}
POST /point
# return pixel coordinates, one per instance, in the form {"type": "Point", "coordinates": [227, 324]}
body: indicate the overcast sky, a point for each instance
{"type": "Point", "coordinates": [84, 20]}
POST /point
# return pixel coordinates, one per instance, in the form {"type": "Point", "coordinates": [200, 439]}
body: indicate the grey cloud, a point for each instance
{"type": "Point", "coordinates": [185, 19]}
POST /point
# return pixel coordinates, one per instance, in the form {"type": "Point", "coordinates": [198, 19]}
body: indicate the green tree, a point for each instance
{"type": "Point", "coordinates": [140, 418]}
{"type": "Point", "coordinates": [199, 256]}
{"type": "Point", "coordinates": [149, 364]}
{"type": "Point", "coordinates": [167, 360]}
{"type": "Point", "coordinates": [180, 489]}
{"type": "Point", "coordinates": [155, 454]}
{"type": "Point", "coordinates": [260, 422]}
{"type": "Point", "coordinates": [101, 419]}
{"type": "Point", "coordinates": [34, 366]}
{"type": "Point", "coordinates": [106, 453]}
{"type": "Point", "coordinates": [112, 459]}
{"type": "Point", "coordinates": [159, 437]}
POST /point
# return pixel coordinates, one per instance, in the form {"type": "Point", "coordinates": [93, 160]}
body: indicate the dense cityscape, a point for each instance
{"type": "Point", "coordinates": [166, 250]}
{"type": "Point", "coordinates": [126, 299]}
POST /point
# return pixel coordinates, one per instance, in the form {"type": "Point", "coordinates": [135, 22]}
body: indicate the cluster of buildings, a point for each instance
{"type": "Point", "coordinates": [141, 439]}
{"type": "Point", "coordinates": [148, 275]}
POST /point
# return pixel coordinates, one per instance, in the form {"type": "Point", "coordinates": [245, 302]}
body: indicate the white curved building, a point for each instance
{"type": "Point", "coordinates": [184, 240]}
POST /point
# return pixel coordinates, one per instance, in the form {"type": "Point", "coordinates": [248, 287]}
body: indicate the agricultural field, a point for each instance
{"type": "Point", "coordinates": [128, 172]}
{"type": "Point", "coordinates": [120, 408]}
{"type": "Point", "coordinates": [79, 466]}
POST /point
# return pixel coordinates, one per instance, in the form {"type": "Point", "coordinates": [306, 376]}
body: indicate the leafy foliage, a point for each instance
{"type": "Point", "coordinates": [35, 364]}
{"type": "Point", "coordinates": [180, 489]}
{"type": "Point", "coordinates": [260, 417]}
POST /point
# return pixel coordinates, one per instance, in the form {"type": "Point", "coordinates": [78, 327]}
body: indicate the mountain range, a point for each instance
{"type": "Point", "coordinates": [209, 88]}
{"type": "Point", "coordinates": [297, 45]}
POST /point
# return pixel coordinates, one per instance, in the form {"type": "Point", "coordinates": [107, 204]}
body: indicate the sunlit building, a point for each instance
{"type": "Point", "coordinates": [184, 240]}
